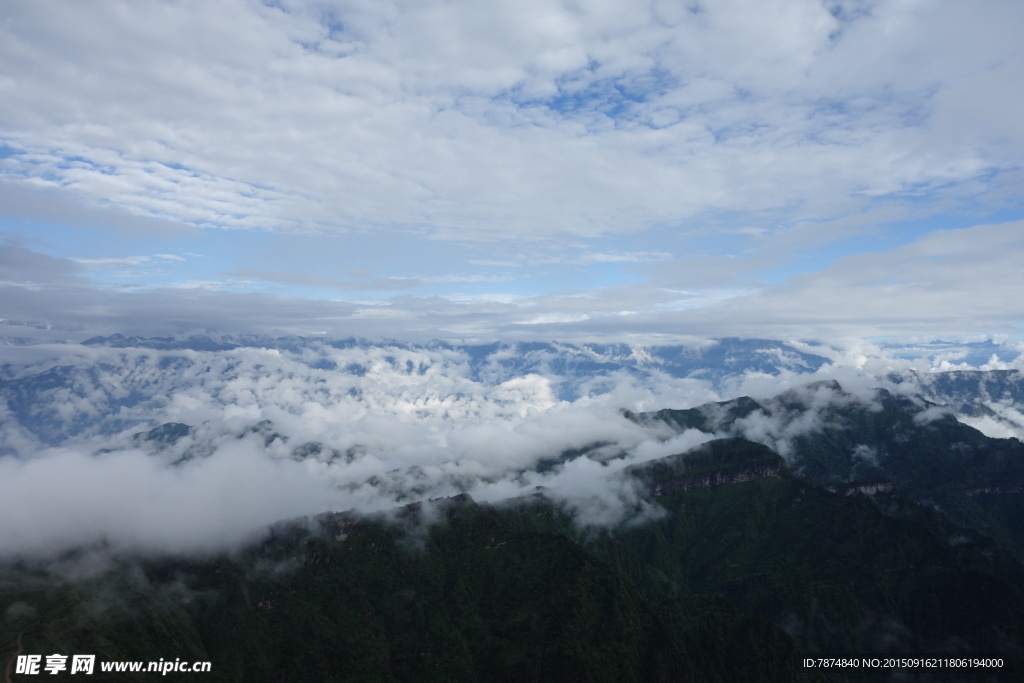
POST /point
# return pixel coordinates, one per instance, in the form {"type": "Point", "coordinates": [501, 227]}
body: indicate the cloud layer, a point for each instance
{"type": "Point", "coordinates": [310, 426]}
{"type": "Point", "coordinates": [952, 283]}
{"type": "Point", "coordinates": [537, 119]}
{"type": "Point", "coordinates": [792, 168]}
{"type": "Point", "coordinates": [280, 434]}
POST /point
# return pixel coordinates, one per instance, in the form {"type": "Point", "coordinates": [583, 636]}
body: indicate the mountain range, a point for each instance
{"type": "Point", "coordinates": [54, 394]}
{"type": "Point", "coordinates": [738, 539]}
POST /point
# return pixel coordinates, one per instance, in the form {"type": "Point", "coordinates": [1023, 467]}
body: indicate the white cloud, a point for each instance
{"type": "Point", "coordinates": [698, 147]}
{"type": "Point", "coordinates": [607, 257]}
{"type": "Point", "coordinates": [128, 499]}
{"type": "Point", "coordinates": [951, 281]}
{"type": "Point", "coordinates": [507, 122]}
{"type": "Point", "coordinates": [113, 261]}
{"type": "Point", "coordinates": [464, 278]}
{"type": "Point", "coordinates": [327, 282]}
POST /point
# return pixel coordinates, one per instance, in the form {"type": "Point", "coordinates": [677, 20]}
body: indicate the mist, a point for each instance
{"type": "Point", "coordinates": [283, 433]}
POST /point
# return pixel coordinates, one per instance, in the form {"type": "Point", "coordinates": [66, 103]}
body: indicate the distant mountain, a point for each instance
{"type": "Point", "coordinates": [125, 383]}
{"type": "Point", "coordinates": [976, 354]}
{"type": "Point", "coordinates": [119, 341]}
{"type": "Point", "coordinates": [110, 388]}
{"type": "Point", "coordinates": [715, 359]}
{"type": "Point", "coordinates": [713, 362]}
{"type": "Point", "coordinates": [990, 401]}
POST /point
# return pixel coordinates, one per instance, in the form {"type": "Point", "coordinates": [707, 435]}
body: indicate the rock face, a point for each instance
{"type": "Point", "coordinates": [710, 466]}
{"type": "Point", "coordinates": [867, 489]}
{"type": "Point", "coordinates": [712, 480]}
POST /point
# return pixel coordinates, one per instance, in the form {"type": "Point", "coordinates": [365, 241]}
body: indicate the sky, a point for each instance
{"type": "Point", "coordinates": [814, 169]}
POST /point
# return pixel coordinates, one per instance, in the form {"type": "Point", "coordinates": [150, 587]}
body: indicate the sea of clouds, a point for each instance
{"type": "Point", "coordinates": [279, 433]}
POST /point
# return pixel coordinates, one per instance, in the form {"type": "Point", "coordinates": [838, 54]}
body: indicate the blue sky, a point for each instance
{"type": "Point", "coordinates": [788, 168]}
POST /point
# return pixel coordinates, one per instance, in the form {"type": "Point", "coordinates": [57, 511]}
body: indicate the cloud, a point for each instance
{"type": "Point", "coordinates": [1007, 421]}
{"type": "Point", "coordinates": [511, 123]}
{"type": "Point", "coordinates": [123, 261]}
{"type": "Point", "coordinates": [646, 171]}
{"type": "Point", "coordinates": [322, 281]}
{"type": "Point", "coordinates": [29, 201]}
{"type": "Point", "coordinates": [24, 268]}
{"type": "Point", "coordinates": [128, 500]}
{"type": "Point", "coordinates": [102, 262]}
{"type": "Point", "coordinates": [465, 278]}
{"type": "Point", "coordinates": [951, 283]}
{"type": "Point", "coordinates": [964, 279]}
{"type": "Point", "coordinates": [606, 257]}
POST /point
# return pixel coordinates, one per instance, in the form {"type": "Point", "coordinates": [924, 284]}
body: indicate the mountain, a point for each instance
{"type": "Point", "coordinates": [116, 385]}
{"type": "Point", "coordinates": [468, 598]}
{"type": "Point", "coordinates": [957, 354]}
{"type": "Point", "coordinates": [713, 361]}
{"type": "Point", "coordinates": [851, 525]}
{"type": "Point", "coordinates": [967, 387]}
{"type": "Point", "coordinates": [843, 568]}
{"type": "Point", "coordinates": [918, 447]}
{"type": "Point", "coordinates": [720, 357]}
{"type": "Point", "coordinates": [194, 343]}
{"type": "Point", "coordinates": [608, 537]}
{"type": "Point", "coordinates": [456, 590]}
